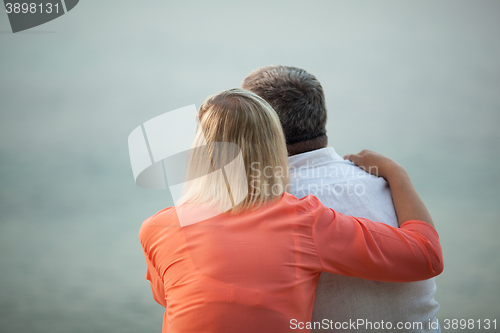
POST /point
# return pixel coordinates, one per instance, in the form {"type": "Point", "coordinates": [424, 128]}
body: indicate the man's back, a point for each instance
{"type": "Point", "coordinates": [340, 185]}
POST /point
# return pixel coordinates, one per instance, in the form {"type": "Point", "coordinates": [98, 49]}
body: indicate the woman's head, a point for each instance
{"type": "Point", "coordinates": [247, 121]}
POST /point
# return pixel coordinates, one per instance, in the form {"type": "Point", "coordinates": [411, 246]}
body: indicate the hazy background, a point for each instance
{"type": "Point", "coordinates": [416, 80]}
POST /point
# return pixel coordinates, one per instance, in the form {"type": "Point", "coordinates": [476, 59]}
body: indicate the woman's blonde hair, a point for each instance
{"type": "Point", "coordinates": [237, 131]}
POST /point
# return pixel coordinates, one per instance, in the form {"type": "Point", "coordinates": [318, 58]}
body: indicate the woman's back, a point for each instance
{"type": "Point", "coordinates": [252, 271]}
{"type": "Point", "coordinates": [257, 271]}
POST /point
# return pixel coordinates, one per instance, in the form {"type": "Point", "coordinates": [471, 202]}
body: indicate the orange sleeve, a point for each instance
{"type": "Point", "coordinates": [361, 248]}
{"type": "Point", "coordinates": [151, 273]}
{"type": "Point", "coordinates": [156, 283]}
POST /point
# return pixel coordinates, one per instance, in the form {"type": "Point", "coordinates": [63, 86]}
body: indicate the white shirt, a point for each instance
{"type": "Point", "coordinates": [341, 185]}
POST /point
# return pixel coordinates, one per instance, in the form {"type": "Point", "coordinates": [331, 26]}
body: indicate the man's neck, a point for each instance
{"type": "Point", "coordinates": [309, 145]}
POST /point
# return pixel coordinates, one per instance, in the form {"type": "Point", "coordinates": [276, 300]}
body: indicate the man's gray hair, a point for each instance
{"type": "Point", "coordinates": [296, 96]}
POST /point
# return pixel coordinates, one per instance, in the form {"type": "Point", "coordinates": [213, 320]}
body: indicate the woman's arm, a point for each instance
{"type": "Point", "coordinates": [407, 202]}
{"type": "Point", "coordinates": [156, 283]}
{"type": "Point", "coordinates": [152, 275]}
{"type": "Point", "coordinates": [358, 247]}
{"type": "Point", "coordinates": [361, 248]}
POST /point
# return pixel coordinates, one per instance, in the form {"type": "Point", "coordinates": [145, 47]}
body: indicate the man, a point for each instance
{"type": "Point", "coordinates": [316, 169]}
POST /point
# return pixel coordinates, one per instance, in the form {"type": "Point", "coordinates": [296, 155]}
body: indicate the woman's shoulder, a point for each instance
{"type": "Point", "coordinates": [307, 202]}
{"type": "Point", "coordinates": [161, 214]}
{"type": "Point", "coordinates": [298, 206]}
{"type": "Point", "coordinates": [163, 217]}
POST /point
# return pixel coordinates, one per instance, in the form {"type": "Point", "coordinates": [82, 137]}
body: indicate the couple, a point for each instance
{"type": "Point", "coordinates": [290, 256]}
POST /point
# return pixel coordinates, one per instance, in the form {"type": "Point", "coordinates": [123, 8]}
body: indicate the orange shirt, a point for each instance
{"type": "Point", "coordinates": [257, 271]}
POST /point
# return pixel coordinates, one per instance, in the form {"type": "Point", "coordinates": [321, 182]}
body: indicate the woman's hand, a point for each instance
{"type": "Point", "coordinates": [406, 200]}
{"type": "Point", "coordinates": [376, 164]}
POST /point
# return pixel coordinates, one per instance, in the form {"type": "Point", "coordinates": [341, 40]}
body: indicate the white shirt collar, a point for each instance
{"type": "Point", "coordinates": [314, 157]}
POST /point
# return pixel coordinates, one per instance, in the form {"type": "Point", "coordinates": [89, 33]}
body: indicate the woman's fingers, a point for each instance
{"type": "Point", "coordinates": [356, 159]}
{"type": "Point", "coordinates": [367, 160]}
{"type": "Point", "coordinates": [374, 163]}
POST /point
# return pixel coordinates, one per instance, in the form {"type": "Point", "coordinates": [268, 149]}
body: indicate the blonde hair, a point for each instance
{"type": "Point", "coordinates": [231, 122]}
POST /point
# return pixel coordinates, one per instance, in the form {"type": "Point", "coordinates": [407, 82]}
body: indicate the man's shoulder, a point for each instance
{"type": "Point", "coordinates": [346, 188]}
{"type": "Point", "coordinates": [325, 164]}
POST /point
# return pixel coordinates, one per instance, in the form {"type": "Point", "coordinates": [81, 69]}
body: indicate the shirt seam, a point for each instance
{"type": "Point", "coordinates": [312, 237]}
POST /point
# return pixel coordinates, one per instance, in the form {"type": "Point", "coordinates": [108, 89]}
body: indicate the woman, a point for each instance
{"type": "Point", "coordinates": [252, 263]}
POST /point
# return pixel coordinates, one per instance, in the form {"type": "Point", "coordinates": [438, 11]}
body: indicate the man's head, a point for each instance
{"type": "Point", "coordinates": [298, 98]}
